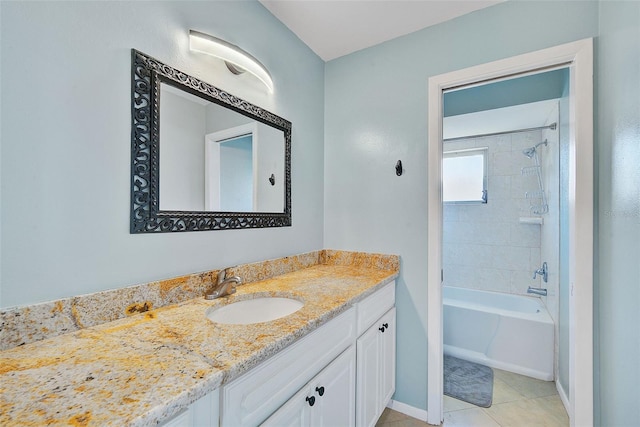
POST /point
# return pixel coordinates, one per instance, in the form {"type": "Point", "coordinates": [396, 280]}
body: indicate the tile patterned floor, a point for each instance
{"type": "Point", "coordinates": [518, 401]}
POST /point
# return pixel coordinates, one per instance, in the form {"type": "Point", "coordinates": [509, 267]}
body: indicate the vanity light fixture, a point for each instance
{"type": "Point", "coordinates": [238, 61]}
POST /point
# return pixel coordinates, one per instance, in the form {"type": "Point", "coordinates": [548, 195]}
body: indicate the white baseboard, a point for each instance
{"type": "Point", "coordinates": [564, 398]}
{"type": "Point", "coordinates": [420, 414]}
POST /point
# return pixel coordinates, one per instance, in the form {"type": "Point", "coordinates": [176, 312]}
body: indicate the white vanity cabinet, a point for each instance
{"type": "Point", "coordinates": [341, 374]}
{"type": "Point", "coordinates": [376, 355]}
{"type": "Point", "coordinates": [204, 412]}
{"type": "Point", "coordinates": [327, 400]}
{"type": "Point", "coordinates": [253, 397]}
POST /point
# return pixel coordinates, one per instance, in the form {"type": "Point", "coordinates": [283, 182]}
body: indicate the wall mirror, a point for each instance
{"type": "Point", "coordinates": [203, 159]}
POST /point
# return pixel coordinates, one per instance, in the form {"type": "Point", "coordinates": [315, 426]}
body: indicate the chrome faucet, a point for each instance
{"type": "Point", "coordinates": [224, 285]}
{"type": "Point", "coordinates": [544, 272]}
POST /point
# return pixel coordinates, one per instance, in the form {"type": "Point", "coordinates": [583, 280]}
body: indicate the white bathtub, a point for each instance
{"type": "Point", "coordinates": [509, 332]}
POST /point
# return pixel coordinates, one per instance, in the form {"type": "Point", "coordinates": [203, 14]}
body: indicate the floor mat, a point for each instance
{"type": "Point", "coordinates": [468, 381]}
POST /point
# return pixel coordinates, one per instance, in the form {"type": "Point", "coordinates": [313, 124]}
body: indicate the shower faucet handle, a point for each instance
{"type": "Point", "coordinates": [543, 271]}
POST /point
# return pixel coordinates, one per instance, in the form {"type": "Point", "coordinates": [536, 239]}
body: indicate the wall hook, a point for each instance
{"type": "Point", "coordinates": [399, 168]}
{"type": "Point", "coordinates": [272, 179]}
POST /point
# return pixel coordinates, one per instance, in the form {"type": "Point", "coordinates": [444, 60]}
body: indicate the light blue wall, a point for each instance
{"type": "Point", "coordinates": [618, 150]}
{"type": "Point", "coordinates": [376, 113]}
{"type": "Point", "coordinates": [236, 175]}
{"type": "Point", "coordinates": [65, 82]}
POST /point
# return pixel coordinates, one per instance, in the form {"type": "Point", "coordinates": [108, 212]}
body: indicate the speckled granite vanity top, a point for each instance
{"type": "Point", "coordinates": [146, 367]}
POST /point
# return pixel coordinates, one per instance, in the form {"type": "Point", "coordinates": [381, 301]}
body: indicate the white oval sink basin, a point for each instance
{"type": "Point", "coordinates": [255, 310]}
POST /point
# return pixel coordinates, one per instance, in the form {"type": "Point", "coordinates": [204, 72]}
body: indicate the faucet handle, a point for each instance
{"type": "Point", "coordinates": [542, 271]}
{"type": "Point", "coordinates": [221, 275]}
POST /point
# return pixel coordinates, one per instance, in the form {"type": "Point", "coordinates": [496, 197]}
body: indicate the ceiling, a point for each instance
{"type": "Point", "coordinates": [334, 28]}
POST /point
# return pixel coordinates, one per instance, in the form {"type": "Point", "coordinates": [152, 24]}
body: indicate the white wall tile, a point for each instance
{"type": "Point", "coordinates": [476, 255]}
{"type": "Point", "coordinates": [493, 279]}
{"type": "Point", "coordinates": [525, 235]}
{"type": "Point", "coordinates": [535, 259]}
{"type": "Point", "coordinates": [522, 140]}
{"type": "Point", "coordinates": [490, 233]}
{"type": "Point", "coordinates": [485, 246]}
{"type": "Point", "coordinates": [500, 163]}
{"type": "Point", "coordinates": [499, 187]}
{"type": "Point", "coordinates": [498, 143]}
{"type": "Point", "coordinates": [451, 256]}
{"type": "Point", "coordinates": [512, 258]}
{"type": "Point", "coordinates": [449, 212]}
{"type": "Point", "coordinates": [521, 184]}
{"type": "Point", "coordinates": [461, 276]}
{"type": "Point", "coordinates": [521, 280]}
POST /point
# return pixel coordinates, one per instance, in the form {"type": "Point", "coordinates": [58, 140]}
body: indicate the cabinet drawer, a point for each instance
{"type": "Point", "coordinates": [374, 306]}
{"type": "Point", "coordinates": [251, 398]}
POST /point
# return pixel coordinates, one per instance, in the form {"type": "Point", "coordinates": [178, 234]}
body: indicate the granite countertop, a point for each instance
{"type": "Point", "coordinates": [145, 368]}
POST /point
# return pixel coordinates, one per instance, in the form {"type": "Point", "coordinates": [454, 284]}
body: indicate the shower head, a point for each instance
{"type": "Point", "coordinates": [529, 152]}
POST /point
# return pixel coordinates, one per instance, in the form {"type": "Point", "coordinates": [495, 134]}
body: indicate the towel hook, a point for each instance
{"type": "Point", "coordinates": [272, 179]}
{"type": "Point", "coordinates": [399, 168]}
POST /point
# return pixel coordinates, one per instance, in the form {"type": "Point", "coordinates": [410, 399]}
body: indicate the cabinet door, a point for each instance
{"type": "Point", "coordinates": [296, 412]}
{"type": "Point", "coordinates": [368, 373]}
{"type": "Point", "coordinates": [376, 369]}
{"type": "Point", "coordinates": [327, 400]}
{"type": "Point", "coordinates": [388, 361]}
{"type": "Point", "coordinates": [335, 391]}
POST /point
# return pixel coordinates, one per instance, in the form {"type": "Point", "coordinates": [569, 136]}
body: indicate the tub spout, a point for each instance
{"type": "Point", "coordinates": [537, 291]}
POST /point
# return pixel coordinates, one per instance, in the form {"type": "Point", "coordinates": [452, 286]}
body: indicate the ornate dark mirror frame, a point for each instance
{"type": "Point", "coordinates": [146, 75]}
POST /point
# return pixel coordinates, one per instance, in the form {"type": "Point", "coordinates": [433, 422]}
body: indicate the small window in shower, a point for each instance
{"type": "Point", "coordinates": [464, 176]}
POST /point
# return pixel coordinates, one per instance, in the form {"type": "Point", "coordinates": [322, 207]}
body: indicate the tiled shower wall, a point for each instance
{"type": "Point", "coordinates": [485, 245]}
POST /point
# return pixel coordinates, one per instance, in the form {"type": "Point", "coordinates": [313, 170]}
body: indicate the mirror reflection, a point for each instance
{"type": "Point", "coordinates": [215, 159]}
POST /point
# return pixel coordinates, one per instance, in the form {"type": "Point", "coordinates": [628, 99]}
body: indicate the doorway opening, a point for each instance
{"type": "Point", "coordinates": [578, 195]}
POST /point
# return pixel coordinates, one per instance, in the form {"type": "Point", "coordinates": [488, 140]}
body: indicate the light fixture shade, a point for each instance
{"type": "Point", "coordinates": [210, 45]}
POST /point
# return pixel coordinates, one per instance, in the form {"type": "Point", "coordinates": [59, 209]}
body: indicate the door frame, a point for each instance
{"type": "Point", "coordinates": [212, 161]}
{"type": "Point", "coordinates": [578, 57]}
